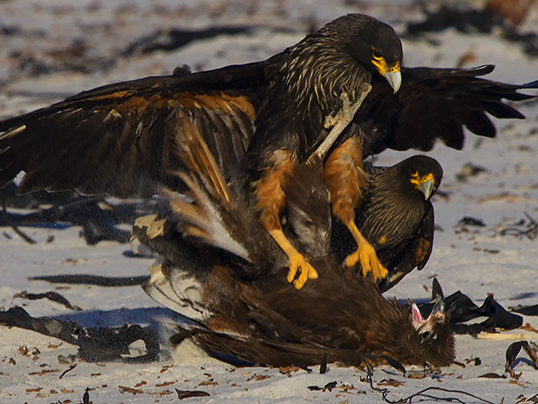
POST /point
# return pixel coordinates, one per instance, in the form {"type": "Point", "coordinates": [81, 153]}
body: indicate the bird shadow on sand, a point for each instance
{"type": "Point", "coordinates": [101, 335]}
{"type": "Point", "coordinates": [119, 317]}
{"type": "Point", "coordinates": [525, 295]}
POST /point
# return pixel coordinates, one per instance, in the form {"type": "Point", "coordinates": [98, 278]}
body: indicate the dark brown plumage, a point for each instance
{"type": "Point", "coordinates": [124, 139]}
{"type": "Point", "coordinates": [396, 216]}
{"type": "Point", "coordinates": [252, 313]}
{"type": "Point", "coordinates": [307, 214]}
{"type": "Point", "coordinates": [341, 315]}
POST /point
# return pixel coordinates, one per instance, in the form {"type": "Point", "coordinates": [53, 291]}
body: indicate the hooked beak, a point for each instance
{"type": "Point", "coordinates": [438, 312]}
{"type": "Point", "coordinates": [438, 307]}
{"type": "Point", "coordinates": [416, 317]}
{"type": "Point", "coordinates": [427, 188]}
{"type": "Point", "coordinates": [392, 74]}
{"type": "Point", "coordinates": [394, 78]}
{"type": "Point", "coordinates": [425, 184]}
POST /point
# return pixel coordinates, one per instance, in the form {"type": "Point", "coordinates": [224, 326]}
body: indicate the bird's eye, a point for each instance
{"type": "Point", "coordinates": [414, 172]}
{"type": "Point", "coordinates": [425, 335]}
{"type": "Point", "coordinates": [375, 54]}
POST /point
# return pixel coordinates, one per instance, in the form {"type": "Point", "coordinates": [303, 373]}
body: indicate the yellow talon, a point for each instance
{"type": "Point", "coordinates": [309, 273]}
{"type": "Point", "coordinates": [298, 262]}
{"type": "Point", "coordinates": [291, 274]}
{"type": "Point", "coordinates": [366, 255]}
{"type": "Point", "coordinates": [352, 259]}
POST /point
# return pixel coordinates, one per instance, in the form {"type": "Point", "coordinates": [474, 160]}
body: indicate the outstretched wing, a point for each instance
{"type": "Point", "coordinates": [435, 104]}
{"type": "Point", "coordinates": [120, 138]}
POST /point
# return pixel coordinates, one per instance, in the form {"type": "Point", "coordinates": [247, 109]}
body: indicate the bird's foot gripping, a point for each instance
{"type": "Point", "coordinates": [296, 261]}
{"type": "Point", "coordinates": [366, 256]}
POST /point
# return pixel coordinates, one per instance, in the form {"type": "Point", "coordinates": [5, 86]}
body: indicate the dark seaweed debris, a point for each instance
{"type": "Point", "coordinates": [469, 21]}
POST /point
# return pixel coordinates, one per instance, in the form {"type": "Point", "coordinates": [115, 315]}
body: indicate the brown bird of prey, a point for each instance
{"type": "Point", "coordinates": [244, 307]}
{"type": "Point", "coordinates": [122, 139]}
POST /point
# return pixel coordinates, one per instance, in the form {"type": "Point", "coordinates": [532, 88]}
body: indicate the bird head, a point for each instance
{"type": "Point", "coordinates": [425, 326]}
{"type": "Point", "coordinates": [433, 341]}
{"type": "Point", "coordinates": [422, 173]}
{"type": "Point", "coordinates": [376, 45]}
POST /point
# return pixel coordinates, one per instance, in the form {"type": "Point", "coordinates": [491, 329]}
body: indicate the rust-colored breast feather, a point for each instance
{"type": "Point", "coordinates": [423, 249]}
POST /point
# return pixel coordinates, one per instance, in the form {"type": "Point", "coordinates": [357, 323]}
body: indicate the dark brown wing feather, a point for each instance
{"type": "Point", "coordinates": [435, 104]}
{"type": "Point", "coordinates": [413, 255]}
{"type": "Point", "coordinates": [119, 138]}
{"type": "Point", "coordinates": [266, 351]}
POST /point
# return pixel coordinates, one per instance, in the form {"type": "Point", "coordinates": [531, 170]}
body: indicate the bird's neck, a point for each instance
{"type": "Point", "coordinates": [316, 76]}
{"type": "Point", "coordinates": [306, 89]}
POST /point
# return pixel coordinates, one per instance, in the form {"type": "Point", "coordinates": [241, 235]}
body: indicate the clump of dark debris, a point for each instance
{"type": "Point", "coordinates": [77, 57]}
{"type": "Point", "coordinates": [174, 38]}
{"type": "Point", "coordinates": [470, 170]}
{"type": "Point", "coordinates": [500, 17]}
{"type": "Point", "coordinates": [98, 218]}
{"type": "Point", "coordinates": [524, 228]}
{"type": "Point", "coordinates": [95, 344]}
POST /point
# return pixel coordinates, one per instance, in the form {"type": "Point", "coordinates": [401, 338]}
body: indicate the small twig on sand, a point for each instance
{"type": "Point", "coordinates": [422, 393]}
{"type": "Point", "coordinates": [26, 238]}
{"type": "Point", "coordinates": [531, 230]}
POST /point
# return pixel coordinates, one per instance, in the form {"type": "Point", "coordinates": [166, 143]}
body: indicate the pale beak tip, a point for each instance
{"type": "Point", "coordinates": [427, 188]}
{"type": "Point", "coordinates": [394, 79]}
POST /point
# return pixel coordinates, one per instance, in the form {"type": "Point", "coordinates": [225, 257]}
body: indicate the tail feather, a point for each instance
{"type": "Point", "coordinates": [219, 214]}
{"type": "Point", "coordinates": [204, 220]}
{"type": "Point", "coordinates": [198, 159]}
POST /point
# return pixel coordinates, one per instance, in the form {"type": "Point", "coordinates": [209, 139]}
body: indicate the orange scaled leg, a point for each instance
{"type": "Point", "coordinates": [345, 179]}
{"type": "Point", "coordinates": [366, 255]}
{"type": "Point", "coordinates": [271, 201]}
{"type": "Point", "coordinates": [271, 198]}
